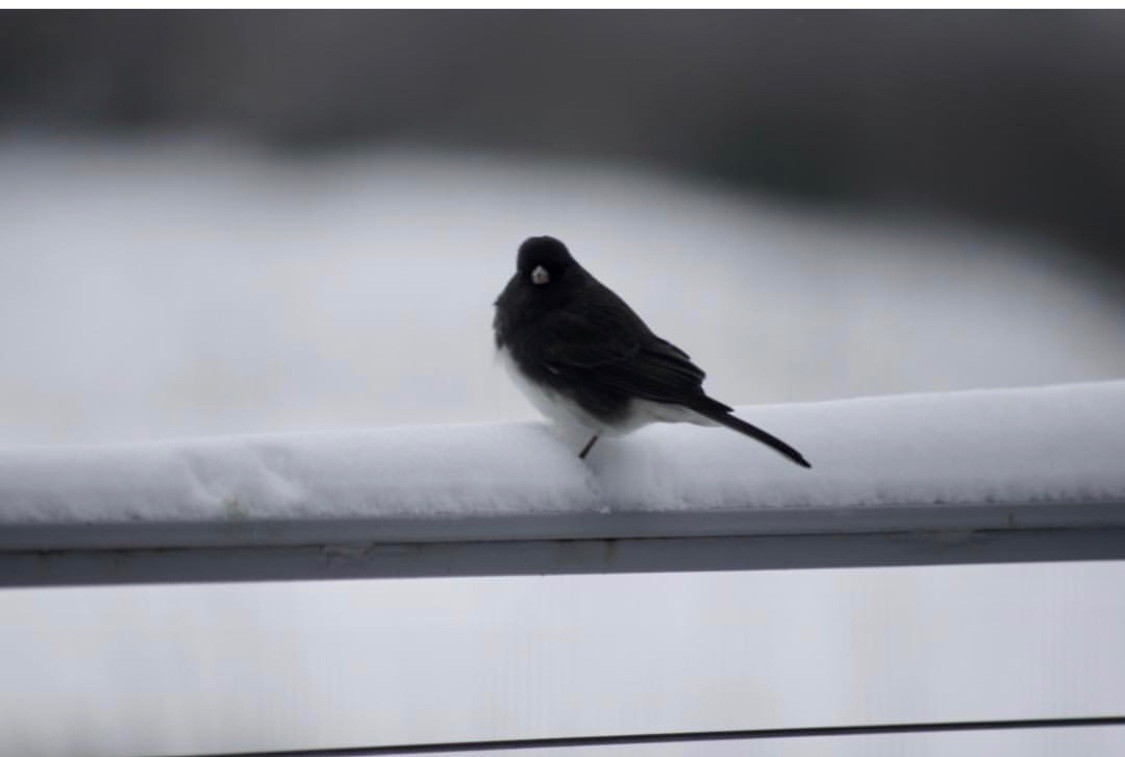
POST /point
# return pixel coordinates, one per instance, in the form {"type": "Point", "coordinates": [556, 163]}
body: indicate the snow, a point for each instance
{"type": "Point", "coordinates": [1020, 447]}
{"type": "Point", "coordinates": [171, 289]}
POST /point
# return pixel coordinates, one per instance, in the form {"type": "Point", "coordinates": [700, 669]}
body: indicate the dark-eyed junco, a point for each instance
{"type": "Point", "coordinates": [586, 360]}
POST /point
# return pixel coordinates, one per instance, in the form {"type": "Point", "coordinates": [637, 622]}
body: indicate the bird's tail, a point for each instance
{"type": "Point", "coordinates": [720, 413]}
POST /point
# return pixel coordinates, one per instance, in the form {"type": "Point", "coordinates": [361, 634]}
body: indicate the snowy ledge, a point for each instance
{"type": "Point", "coordinates": [1024, 460]}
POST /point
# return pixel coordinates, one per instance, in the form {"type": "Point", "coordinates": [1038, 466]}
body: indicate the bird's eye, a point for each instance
{"type": "Point", "coordinates": [540, 275]}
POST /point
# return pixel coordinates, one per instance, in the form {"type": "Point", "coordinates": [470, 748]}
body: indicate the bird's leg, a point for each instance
{"type": "Point", "coordinates": [589, 446]}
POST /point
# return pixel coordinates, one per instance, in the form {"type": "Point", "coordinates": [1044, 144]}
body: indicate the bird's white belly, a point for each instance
{"type": "Point", "coordinates": [554, 405]}
{"type": "Point", "coordinates": [571, 416]}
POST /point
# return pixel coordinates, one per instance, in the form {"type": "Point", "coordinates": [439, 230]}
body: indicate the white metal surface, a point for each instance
{"type": "Point", "coordinates": [177, 669]}
{"type": "Point", "coordinates": [1091, 741]}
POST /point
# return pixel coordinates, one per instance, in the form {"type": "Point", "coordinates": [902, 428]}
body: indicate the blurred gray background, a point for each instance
{"type": "Point", "coordinates": [1011, 116]}
{"type": "Point", "coordinates": [225, 222]}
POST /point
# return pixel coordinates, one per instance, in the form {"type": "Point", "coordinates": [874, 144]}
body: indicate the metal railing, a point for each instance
{"type": "Point", "coordinates": [123, 553]}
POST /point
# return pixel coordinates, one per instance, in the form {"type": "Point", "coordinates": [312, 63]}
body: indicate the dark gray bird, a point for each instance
{"type": "Point", "coordinates": [587, 361]}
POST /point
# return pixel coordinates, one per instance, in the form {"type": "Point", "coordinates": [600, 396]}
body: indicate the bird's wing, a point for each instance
{"type": "Point", "coordinates": [613, 349]}
{"type": "Point", "coordinates": [588, 342]}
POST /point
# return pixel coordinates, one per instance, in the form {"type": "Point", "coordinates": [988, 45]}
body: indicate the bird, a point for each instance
{"type": "Point", "coordinates": [588, 362]}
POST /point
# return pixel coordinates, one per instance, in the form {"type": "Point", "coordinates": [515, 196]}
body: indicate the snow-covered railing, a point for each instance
{"type": "Point", "coordinates": [982, 476]}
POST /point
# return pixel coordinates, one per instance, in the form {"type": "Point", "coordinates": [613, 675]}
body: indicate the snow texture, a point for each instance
{"type": "Point", "coordinates": [1053, 445]}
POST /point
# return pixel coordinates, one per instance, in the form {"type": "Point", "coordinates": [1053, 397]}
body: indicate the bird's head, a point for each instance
{"type": "Point", "coordinates": [544, 262]}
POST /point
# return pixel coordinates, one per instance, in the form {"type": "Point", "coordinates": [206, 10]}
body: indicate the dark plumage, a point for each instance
{"type": "Point", "coordinates": [585, 357]}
